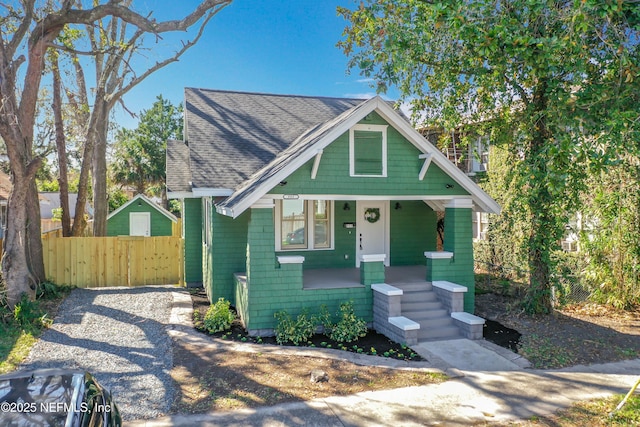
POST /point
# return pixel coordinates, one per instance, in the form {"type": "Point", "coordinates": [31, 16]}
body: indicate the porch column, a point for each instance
{"type": "Point", "coordinates": [261, 261]}
{"type": "Point", "coordinates": [372, 269]}
{"type": "Point", "coordinates": [458, 238]}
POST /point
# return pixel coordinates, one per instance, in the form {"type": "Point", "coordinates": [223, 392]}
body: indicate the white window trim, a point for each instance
{"type": "Point", "coordinates": [310, 220]}
{"type": "Point", "coordinates": [370, 128]}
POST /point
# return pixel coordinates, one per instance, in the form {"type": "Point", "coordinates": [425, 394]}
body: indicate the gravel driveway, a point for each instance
{"type": "Point", "coordinates": [119, 335]}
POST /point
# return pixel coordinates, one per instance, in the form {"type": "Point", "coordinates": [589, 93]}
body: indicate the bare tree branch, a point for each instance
{"type": "Point", "coordinates": [20, 33]}
{"type": "Point", "coordinates": [186, 46]}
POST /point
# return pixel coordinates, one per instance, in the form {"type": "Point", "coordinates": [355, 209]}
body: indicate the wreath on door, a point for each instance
{"type": "Point", "coordinates": [372, 215]}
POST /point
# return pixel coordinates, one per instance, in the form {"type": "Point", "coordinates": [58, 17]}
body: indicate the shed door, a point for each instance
{"type": "Point", "coordinates": [140, 224]}
{"type": "Point", "coordinates": [372, 227]}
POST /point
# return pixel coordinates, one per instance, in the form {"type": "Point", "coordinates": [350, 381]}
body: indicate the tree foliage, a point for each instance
{"type": "Point", "coordinates": [556, 82]}
{"type": "Point", "coordinates": [139, 154]}
{"type": "Point", "coordinates": [610, 238]}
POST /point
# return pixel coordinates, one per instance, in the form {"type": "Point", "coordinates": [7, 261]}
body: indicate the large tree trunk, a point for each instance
{"type": "Point", "coordinates": [61, 145]}
{"type": "Point", "coordinates": [99, 167]}
{"type": "Point", "coordinates": [542, 227]}
{"type": "Point", "coordinates": [81, 112]}
{"type": "Point", "coordinates": [34, 229]}
{"type": "Point", "coordinates": [15, 261]}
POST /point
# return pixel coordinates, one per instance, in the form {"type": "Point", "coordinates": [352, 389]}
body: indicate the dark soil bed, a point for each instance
{"type": "Point", "coordinates": [499, 334]}
{"type": "Point", "coordinates": [373, 343]}
{"type": "Point", "coordinates": [579, 334]}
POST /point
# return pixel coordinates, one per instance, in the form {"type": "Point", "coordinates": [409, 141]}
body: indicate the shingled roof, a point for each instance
{"type": "Point", "coordinates": [179, 173]}
{"type": "Point", "coordinates": [231, 135]}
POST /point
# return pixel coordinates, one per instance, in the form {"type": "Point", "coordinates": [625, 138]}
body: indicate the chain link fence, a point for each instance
{"type": "Point", "coordinates": [513, 280]}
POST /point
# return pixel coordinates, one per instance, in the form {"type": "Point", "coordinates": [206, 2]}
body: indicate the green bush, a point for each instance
{"type": "Point", "coordinates": [29, 316]}
{"type": "Point", "coordinates": [296, 331]}
{"type": "Point", "coordinates": [349, 326]}
{"type": "Point", "coordinates": [219, 317]}
{"type": "Point", "coordinates": [50, 290]}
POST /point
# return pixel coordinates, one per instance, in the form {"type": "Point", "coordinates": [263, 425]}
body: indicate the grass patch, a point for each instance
{"type": "Point", "coordinates": [20, 328]}
{"type": "Point", "coordinates": [543, 353]}
{"type": "Point", "coordinates": [591, 413]}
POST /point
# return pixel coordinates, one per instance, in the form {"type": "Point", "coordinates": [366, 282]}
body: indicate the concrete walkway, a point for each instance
{"type": "Point", "coordinates": [489, 385]}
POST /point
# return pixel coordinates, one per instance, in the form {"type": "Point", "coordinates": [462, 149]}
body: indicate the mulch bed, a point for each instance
{"type": "Point", "coordinates": [373, 343]}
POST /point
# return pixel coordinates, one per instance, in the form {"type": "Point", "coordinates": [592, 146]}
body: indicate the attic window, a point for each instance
{"type": "Point", "coordinates": [368, 150]}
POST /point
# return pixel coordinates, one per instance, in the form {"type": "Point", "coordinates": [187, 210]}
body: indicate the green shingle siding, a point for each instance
{"type": "Point", "coordinates": [192, 233]}
{"type": "Point", "coordinates": [371, 272]}
{"type": "Point", "coordinates": [458, 238]}
{"type": "Point", "coordinates": [229, 253]}
{"type": "Point", "coordinates": [413, 232]}
{"type": "Point", "coordinates": [118, 225]}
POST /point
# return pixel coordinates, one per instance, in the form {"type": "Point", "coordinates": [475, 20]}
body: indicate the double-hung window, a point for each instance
{"type": "Point", "coordinates": [368, 150]}
{"type": "Point", "coordinates": [304, 224]}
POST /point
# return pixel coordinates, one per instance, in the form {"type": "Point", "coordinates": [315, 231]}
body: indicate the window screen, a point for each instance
{"type": "Point", "coordinates": [367, 153]}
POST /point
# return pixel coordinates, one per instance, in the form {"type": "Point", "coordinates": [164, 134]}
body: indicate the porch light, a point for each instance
{"type": "Point", "coordinates": [449, 185]}
{"type": "Point", "coordinates": [346, 207]}
{"type": "Point", "coordinates": [398, 206]}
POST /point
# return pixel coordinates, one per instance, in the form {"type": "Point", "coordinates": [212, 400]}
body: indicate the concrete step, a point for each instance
{"type": "Point", "coordinates": [408, 297]}
{"type": "Point", "coordinates": [435, 322]}
{"type": "Point", "coordinates": [414, 286]}
{"type": "Point", "coordinates": [421, 306]}
{"type": "Point", "coordinates": [443, 333]}
{"type": "Point", "coordinates": [418, 315]}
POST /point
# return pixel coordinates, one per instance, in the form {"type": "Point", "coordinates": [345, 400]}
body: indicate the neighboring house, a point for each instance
{"type": "Point", "coordinates": [290, 202]}
{"type": "Point", "coordinates": [140, 216]}
{"type": "Point", "coordinates": [49, 202]}
{"type": "Point", "coordinates": [471, 158]}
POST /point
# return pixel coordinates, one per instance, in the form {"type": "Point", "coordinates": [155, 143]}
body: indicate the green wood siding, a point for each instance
{"type": "Point", "coordinates": [192, 234]}
{"type": "Point", "coordinates": [118, 225]}
{"type": "Point", "coordinates": [413, 232]}
{"type": "Point", "coordinates": [403, 168]}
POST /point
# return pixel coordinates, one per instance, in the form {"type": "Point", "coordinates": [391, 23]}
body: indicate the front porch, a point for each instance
{"type": "Point", "coordinates": [335, 278]}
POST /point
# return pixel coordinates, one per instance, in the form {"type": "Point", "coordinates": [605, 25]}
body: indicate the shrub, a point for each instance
{"type": "Point", "coordinates": [349, 326]}
{"type": "Point", "coordinates": [324, 318]}
{"type": "Point", "coordinates": [50, 290]}
{"type": "Point", "coordinates": [219, 317]}
{"type": "Point", "coordinates": [295, 331]}
{"type": "Point", "coordinates": [29, 316]}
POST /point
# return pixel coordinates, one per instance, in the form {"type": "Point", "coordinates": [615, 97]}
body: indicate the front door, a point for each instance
{"type": "Point", "coordinates": [372, 229]}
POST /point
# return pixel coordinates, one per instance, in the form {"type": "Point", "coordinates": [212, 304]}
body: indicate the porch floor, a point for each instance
{"type": "Point", "coordinates": [333, 278]}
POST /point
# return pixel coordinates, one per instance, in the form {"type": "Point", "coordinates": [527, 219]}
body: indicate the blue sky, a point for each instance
{"type": "Point", "coordinates": [271, 46]}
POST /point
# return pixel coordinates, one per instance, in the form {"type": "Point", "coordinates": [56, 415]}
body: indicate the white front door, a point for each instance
{"type": "Point", "coordinates": [139, 224]}
{"type": "Point", "coordinates": [372, 229]}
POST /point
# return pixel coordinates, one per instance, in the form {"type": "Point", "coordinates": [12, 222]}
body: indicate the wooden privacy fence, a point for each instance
{"type": "Point", "coordinates": [114, 261]}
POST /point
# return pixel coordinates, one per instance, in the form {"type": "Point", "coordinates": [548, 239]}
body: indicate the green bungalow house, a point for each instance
{"type": "Point", "coordinates": [140, 216]}
{"type": "Point", "coordinates": [290, 202]}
